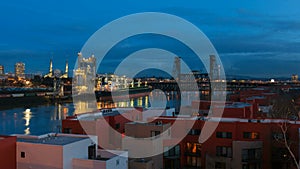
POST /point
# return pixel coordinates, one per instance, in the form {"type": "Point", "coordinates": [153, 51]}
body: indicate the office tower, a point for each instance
{"type": "Point", "coordinates": [85, 74]}
{"type": "Point", "coordinates": [1, 70]}
{"type": "Point", "coordinates": [20, 70]}
{"type": "Point", "coordinates": [294, 78]}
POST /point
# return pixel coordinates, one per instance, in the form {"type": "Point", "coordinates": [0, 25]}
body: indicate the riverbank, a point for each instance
{"type": "Point", "coordinates": [22, 102]}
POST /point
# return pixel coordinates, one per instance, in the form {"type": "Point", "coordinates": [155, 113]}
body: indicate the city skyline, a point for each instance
{"type": "Point", "coordinates": [252, 38]}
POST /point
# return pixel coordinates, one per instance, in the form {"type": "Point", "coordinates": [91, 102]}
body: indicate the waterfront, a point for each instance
{"type": "Point", "coordinates": [47, 118]}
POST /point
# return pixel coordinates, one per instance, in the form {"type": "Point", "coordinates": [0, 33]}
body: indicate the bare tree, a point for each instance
{"type": "Point", "coordinates": [284, 108]}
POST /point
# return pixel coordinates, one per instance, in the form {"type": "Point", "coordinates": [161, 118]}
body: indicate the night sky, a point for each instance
{"type": "Point", "coordinates": [253, 38]}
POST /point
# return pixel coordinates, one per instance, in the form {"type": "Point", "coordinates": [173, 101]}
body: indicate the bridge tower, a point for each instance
{"type": "Point", "coordinates": [177, 68]}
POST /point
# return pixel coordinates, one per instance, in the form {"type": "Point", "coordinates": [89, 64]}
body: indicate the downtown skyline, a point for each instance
{"type": "Point", "coordinates": [252, 39]}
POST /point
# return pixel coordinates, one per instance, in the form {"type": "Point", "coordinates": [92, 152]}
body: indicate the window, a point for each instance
{"type": "Point", "coordinates": [251, 154]}
{"type": "Point", "coordinates": [220, 165]}
{"type": "Point", "coordinates": [172, 151]}
{"type": "Point", "coordinates": [224, 135]}
{"type": "Point", "coordinates": [155, 133]}
{"type": "Point", "coordinates": [224, 151]}
{"type": "Point", "coordinates": [278, 136]}
{"type": "Point", "coordinates": [67, 130]}
{"type": "Point", "coordinates": [194, 132]}
{"type": "Point", "coordinates": [252, 166]}
{"type": "Point", "coordinates": [117, 162]}
{"type": "Point", "coordinates": [193, 161]}
{"type": "Point", "coordinates": [117, 126]}
{"type": "Point", "coordinates": [251, 135]}
{"type": "Point", "coordinates": [193, 148]}
{"type": "Point", "coordinates": [23, 154]}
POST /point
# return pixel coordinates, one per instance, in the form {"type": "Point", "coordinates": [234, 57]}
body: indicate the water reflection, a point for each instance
{"type": "Point", "coordinates": [27, 117]}
{"type": "Point", "coordinates": [47, 118]}
{"type": "Point", "coordinates": [85, 106]}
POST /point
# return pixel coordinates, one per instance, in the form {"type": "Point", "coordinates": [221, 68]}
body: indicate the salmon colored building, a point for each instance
{"type": "Point", "coordinates": [244, 138]}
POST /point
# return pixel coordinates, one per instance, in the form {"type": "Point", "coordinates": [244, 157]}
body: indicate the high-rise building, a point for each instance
{"type": "Point", "coordinates": [1, 70]}
{"type": "Point", "coordinates": [294, 78]}
{"type": "Point", "coordinates": [85, 74]}
{"type": "Point", "coordinates": [20, 70]}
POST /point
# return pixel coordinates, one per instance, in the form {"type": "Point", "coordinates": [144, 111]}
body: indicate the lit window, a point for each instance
{"type": "Point", "coordinates": [193, 161]}
{"type": "Point", "coordinates": [193, 148]}
{"type": "Point", "coordinates": [251, 135]}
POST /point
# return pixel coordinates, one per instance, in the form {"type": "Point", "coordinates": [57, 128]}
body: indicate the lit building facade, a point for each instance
{"type": "Point", "coordinates": [20, 70]}
{"type": "Point", "coordinates": [295, 78]}
{"type": "Point", "coordinates": [2, 70]}
{"type": "Point", "coordinates": [84, 74]}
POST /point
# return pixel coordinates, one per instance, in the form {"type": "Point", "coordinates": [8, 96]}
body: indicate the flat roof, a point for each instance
{"type": "Point", "coordinates": [234, 105]}
{"type": "Point", "coordinates": [91, 116]}
{"type": "Point", "coordinates": [256, 97]}
{"type": "Point", "coordinates": [51, 140]}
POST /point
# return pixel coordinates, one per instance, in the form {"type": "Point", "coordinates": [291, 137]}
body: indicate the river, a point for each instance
{"type": "Point", "coordinates": [47, 118]}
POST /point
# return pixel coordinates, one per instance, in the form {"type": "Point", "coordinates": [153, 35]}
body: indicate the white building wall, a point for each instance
{"type": "Point", "coordinates": [118, 162]}
{"type": "Point", "coordinates": [75, 150]}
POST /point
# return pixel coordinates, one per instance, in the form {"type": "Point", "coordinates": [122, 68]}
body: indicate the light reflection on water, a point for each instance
{"type": "Point", "coordinates": [47, 118]}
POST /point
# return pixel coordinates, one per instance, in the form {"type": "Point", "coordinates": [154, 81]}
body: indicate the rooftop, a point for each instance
{"type": "Point", "coordinates": [50, 139]}
{"type": "Point", "coordinates": [234, 105]}
{"type": "Point", "coordinates": [255, 97]}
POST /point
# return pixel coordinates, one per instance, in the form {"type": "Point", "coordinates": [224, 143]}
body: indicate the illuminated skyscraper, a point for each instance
{"type": "Point", "coordinates": [20, 70]}
{"type": "Point", "coordinates": [1, 70]}
{"type": "Point", "coordinates": [294, 78]}
{"type": "Point", "coordinates": [85, 74]}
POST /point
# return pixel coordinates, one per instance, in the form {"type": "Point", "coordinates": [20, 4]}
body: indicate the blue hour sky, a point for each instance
{"type": "Point", "coordinates": [254, 38]}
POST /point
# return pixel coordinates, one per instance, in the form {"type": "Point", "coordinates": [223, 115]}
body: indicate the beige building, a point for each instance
{"type": "Point", "coordinates": [144, 142]}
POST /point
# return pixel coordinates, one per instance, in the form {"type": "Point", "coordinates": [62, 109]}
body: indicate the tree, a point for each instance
{"type": "Point", "coordinates": [285, 109]}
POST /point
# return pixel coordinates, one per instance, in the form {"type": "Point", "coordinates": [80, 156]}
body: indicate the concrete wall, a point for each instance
{"type": "Point", "coordinates": [88, 164]}
{"type": "Point", "coordinates": [118, 162]}
{"type": "Point", "coordinates": [135, 164]}
{"type": "Point", "coordinates": [238, 146]}
{"type": "Point", "coordinates": [39, 156]}
{"type": "Point", "coordinates": [114, 161]}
